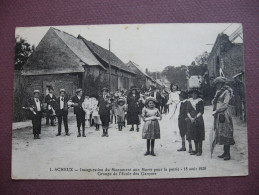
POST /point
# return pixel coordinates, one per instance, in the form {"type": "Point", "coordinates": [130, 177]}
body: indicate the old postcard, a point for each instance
{"type": "Point", "coordinates": [137, 101]}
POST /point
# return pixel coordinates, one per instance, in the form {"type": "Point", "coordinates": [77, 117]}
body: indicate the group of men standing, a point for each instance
{"type": "Point", "coordinates": [58, 107]}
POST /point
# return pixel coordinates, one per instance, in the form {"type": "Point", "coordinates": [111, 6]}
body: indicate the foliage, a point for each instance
{"type": "Point", "coordinates": [22, 52]}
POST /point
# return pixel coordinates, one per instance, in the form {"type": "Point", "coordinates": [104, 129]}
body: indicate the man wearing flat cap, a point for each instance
{"type": "Point", "coordinates": [77, 101]}
{"type": "Point", "coordinates": [36, 107]}
{"type": "Point", "coordinates": [50, 99]}
{"type": "Point", "coordinates": [62, 111]}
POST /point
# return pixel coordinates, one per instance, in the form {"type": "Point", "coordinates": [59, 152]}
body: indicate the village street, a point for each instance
{"type": "Point", "coordinates": [121, 150]}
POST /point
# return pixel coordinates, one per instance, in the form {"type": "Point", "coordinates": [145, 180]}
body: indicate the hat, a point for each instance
{"type": "Point", "coordinates": [148, 99]}
{"type": "Point", "coordinates": [183, 94]}
{"type": "Point", "coordinates": [133, 88]}
{"type": "Point", "coordinates": [78, 90]}
{"type": "Point", "coordinates": [50, 87]}
{"type": "Point", "coordinates": [104, 89]}
{"type": "Point", "coordinates": [62, 90]}
{"type": "Point", "coordinates": [121, 100]}
{"type": "Point", "coordinates": [191, 90]}
{"type": "Point", "coordinates": [219, 79]}
{"type": "Point", "coordinates": [36, 91]}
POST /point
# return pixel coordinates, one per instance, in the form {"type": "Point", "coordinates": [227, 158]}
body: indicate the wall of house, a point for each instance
{"type": "Point", "coordinates": [69, 82]}
{"type": "Point", "coordinates": [95, 78]}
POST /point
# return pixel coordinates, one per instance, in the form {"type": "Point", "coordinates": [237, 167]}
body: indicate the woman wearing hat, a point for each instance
{"type": "Point", "coordinates": [104, 110]}
{"type": "Point", "coordinates": [222, 117]}
{"type": "Point", "coordinates": [195, 125]}
{"type": "Point", "coordinates": [151, 129]}
{"type": "Point", "coordinates": [133, 108]}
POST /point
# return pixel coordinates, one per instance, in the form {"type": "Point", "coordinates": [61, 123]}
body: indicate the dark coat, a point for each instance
{"type": "Point", "coordinates": [158, 97]}
{"type": "Point", "coordinates": [104, 111]}
{"type": "Point", "coordinates": [57, 106]}
{"type": "Point", "coordinates": [78, 109]}
{"type": "Point", "coordinates": [49, 100]}
{"type": "Point", "coordinates": [182, 119]}
{"type": "Point", "coordinates": [133, 109]}
{"type": "Point", "coordinates": [196, 129]}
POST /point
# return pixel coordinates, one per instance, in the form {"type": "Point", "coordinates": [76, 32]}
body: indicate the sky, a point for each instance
{"type": "Point", "coordinates": [152, 46]}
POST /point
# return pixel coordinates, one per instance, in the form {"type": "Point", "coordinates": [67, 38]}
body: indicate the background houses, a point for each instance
{"type": "Point", "coordinates": [64, 61]}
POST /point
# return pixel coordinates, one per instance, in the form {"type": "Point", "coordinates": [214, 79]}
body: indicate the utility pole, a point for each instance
{"type": "Point", "coordinates": [109, 65]}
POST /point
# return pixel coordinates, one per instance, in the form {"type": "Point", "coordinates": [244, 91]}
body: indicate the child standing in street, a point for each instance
{"type": "Point", "coordinates": [120, 112]}
{"type": "Point", "coordinates": [95, 113]}
{"type": "Point", "coordinates": [151, 129]}
{"type": "Point", "coordinates": [195, 110]}
{"type": "Point", "coordinates": [86, 105]}
{"type": "Point", "coordinates": [182, 121]}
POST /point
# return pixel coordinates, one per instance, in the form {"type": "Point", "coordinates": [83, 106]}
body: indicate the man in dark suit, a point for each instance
{"type": "Point", "coordinates": [36, 107]}
{"type": "Point", "coordinates": [50, 99]}
{"type": "Point", "coordinates": [77, 101]}
{"type": "Point", "coordinates": [155, 93]}
{"type": "Point", "coordinates": [104, 110]}
{"type": "Point", "coordinates": [164, 100]}
{"type": "Point", "coordinates": [61, 109]}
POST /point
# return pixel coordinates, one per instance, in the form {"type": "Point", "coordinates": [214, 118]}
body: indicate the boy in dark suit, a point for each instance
{"type": "Point", "coordinates": [104, 110]}
{"type": "Point", "coordinates": [36, 107]}
{"type": "Point", "coordinates": [77, 101]}
{"type": "Point", "coordinates": [62, 111]}
{"type": "Point", "coordinates": [182, 121]}
{"type": "Point", "coordinates": [50, 99]}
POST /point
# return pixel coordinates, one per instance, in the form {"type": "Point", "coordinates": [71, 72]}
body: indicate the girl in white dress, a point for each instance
{"type": "Point", "coordinates": [174, 107]}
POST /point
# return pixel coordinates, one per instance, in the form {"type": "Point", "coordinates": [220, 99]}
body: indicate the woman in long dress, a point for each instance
{"type": "Point", "coordinates": [222, 116]}
{"type": "Point", "coordinates": [133, 108]}
{"type": "Point", "coordinates": [174, 107]}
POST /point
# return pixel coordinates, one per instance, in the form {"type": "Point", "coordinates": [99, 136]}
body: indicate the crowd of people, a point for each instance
{"type": "Point", "coordinates": [183, 109]}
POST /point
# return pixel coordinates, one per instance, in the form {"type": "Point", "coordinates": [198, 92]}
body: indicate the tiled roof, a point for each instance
{"type": "Point", "coordinates": [130, 63]}
{"type": "Point", "coordinates": [78, 47]}
{"type": "Point", "coordinates": [105, 56]}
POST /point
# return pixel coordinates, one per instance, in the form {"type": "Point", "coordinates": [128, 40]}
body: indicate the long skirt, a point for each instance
{"type": "Point", "coordinates": [133, 118]}
{"type": "Point", "coordinates": [105, 119]}
{"type": "Point", "coordinates": [224, 129]}
{"type": "Point", "coordinates": [151, 130]}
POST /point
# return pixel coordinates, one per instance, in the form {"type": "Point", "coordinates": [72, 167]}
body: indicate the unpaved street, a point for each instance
{"type": "Point", "coordinates": [122, 150]}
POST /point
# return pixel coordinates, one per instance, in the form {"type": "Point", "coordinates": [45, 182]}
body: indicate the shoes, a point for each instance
{"type": "Point", "coordinates": [35, 137]}
{"type": "Point", "coordinates": [58, 134]}
{"type": "Point", "coordinates": [107, 135]}
{"type": "Point", "coordinates": [131, 129]}
{"type": "Point", "coordinates": [67, 134]}
{"type": "Point", "coordinates": [38, 136]}
{"type": "Point", "coordinates": [181, 149]}
{"type": "Point", "coordinates": [103, 135]}
{"type": "Point", "coordinates": [193, 152]}
{"type": "Point", "coordinates": [227, 157]}
{"type": "Point", "coordinates": [222, 155]}
{"type": "Point", "coordinates": [147, 153]}
{"type": "Point", "coordinates": [79, 135]}
{"type": "Point", "coordinates": [198, 154]}
{"type": "Point", "coordinates": [153, 154]}
{"type": "Point", "coordinates": [84, 135]}
{"type": "Point", "coordinates": [137, 129]}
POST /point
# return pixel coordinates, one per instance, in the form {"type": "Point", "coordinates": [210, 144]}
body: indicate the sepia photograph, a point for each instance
{"type": "Point", "coordinates": [129, 101]}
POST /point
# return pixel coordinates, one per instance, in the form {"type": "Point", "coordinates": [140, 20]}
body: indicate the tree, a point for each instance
{"type": "Point", "coordinates": [202, 59]}
{"type": "Point", "coordinates": [22, 52]}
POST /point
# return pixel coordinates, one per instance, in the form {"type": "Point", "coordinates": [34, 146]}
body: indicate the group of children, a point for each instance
{"type": "Point", "coordinates": [190, 122]}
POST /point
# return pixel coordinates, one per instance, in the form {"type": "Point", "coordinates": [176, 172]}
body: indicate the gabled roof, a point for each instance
{"type": "Point", "coordinates": [105, 55]}
{"type": "Point", "coordinates": [131, 65]}
{"type": "Point", "coordinates": [57, 53]}
{"type": "Point", "coordinates": [78, 47]}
